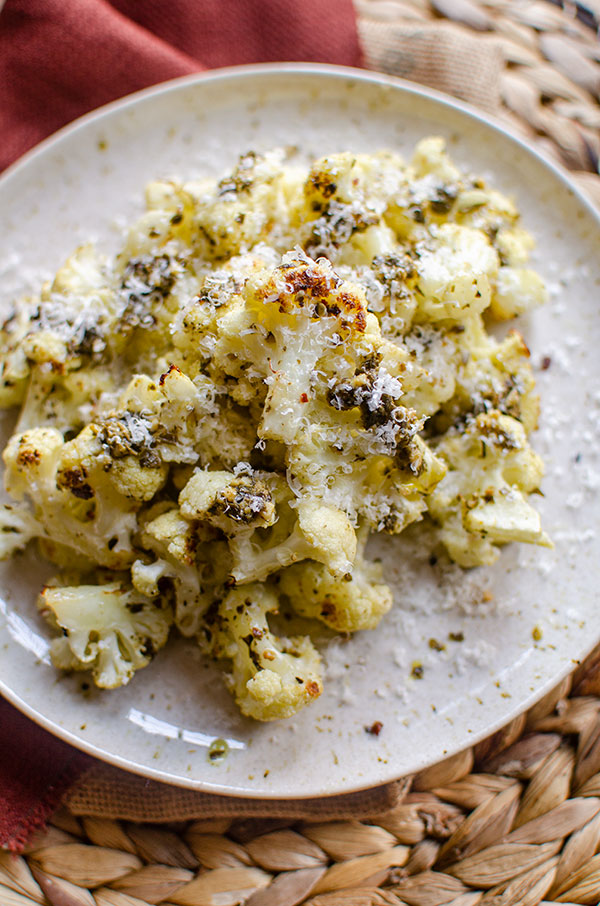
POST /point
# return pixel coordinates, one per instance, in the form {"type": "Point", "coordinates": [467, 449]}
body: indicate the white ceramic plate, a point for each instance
{"type": "Point", "coordinates": [83, 182]}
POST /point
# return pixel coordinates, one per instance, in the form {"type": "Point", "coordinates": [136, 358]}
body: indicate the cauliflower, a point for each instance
{"type": "Point", "coordinates": [109, 629]}
{"type": "Point", "coordinates": [485, 209]}
{"type": "Point", "coordinates": [265, 527]}
{"type": "Point", "coordinates": [175, 410]}
{"type": "Point", "coordinates": [242, 208]}
{"type": "Point", "coordinates": [438, 350]}
{"type": "Point", "coordinates": [285, 322]}
{"type": "Point", "coordinates": [365, 180]}
{"type": "Point", "coordinates": [151, 291]}
{"type": "Point", "coordinates": [335, 392]}
{"type": "Point", "coordinates": [54, 347]}
{"type": "Point", "coordinates": [166, 224]}
{"type": "Point", "coordinates": [345, 197]}
{"type": "Point", "coordinates": [482, 501]}
{"type": "Point", "coordinates": [456, 269]}
{"type": "Point", "coordinates": [493, 375]}
{"type": "Point", "coordinates": [355, 601]}
{"type": "Point", "coordinates": [68, 324]}
{"type": "Point", "coordinates": [17, 528]}
{"type": "Point", "coordinates": [188, 559]}
{"type": "Point", "coordinates": [72, 500]}
{"type": "Point", "coordinates": [389, 284]}
{"type": "Point", "coordinates": [319, 532]}
{"type": "Point", "coordinates": [310, 529]}
{"type": "Point", "coordinates": [185, 420]}
{"type": "Point", "coordinates": [14, 365]}
{"type": "Point", "coordinates": [271, 677]}
{"type": "Point", "coordinates": [517, 290]}
{"type": "Point", "coordinates": [275, 364]}
{"type": "Point", "coordinates": [226, 499]}
{"type": "Point", "coordinates": [67, 400]}
{"type": "Point", "coordinates": [428, 192]}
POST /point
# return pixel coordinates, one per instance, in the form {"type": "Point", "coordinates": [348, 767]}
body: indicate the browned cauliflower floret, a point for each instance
{"type": "Point", "coordinates": [492, 376]}
{"type": "Point", "coordinates": [266, 529]}
{"type": "Point", "coordinates": [70, 496]}
{"type": "Point", "coordinates": [357, 600]}
{"type": "Point", "coordinates": [109, 629]}
{"type": "Point", "coordinates": [187, 558]}
{"type": "Point", "coordinates": [482, 501]}
{"type": "Point", "coordinates": [272, 677]}
{"type": "Point", "coordinates": [228, 500]}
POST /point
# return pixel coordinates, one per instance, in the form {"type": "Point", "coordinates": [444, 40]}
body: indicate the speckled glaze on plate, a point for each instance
{"type": "Point", "coordinates": [525, 621]}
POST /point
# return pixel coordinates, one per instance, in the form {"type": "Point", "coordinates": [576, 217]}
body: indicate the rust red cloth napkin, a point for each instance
{"type": "Point", "coordinates": [36, 770]}
{"type": "Point", "coordinates": [59, 59]}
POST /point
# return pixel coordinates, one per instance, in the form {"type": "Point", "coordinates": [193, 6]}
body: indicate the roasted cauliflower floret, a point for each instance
{"type": "Point", "coordinates": [271, 677]}
{"type": "Point", "coordinates": [151, 290]}
{"type": "Point", "coordinates": [427, 194]}
{"type": "Point", "coordinates": [316, 533]}
{"type": "Point", "coordinates": [67, 400]}
{"type": "Point", "coordinates": [166, 223]}
{"type": "Point", "coordinates": [389, 283]}
{"type": "Point", "coordinates": [174, 413]}
{"type": "Point", "coordinates": [430, 158]}
{"type": "Point", "coordinates": [335, 387]}
{"type": "Point", "coordinates": [517, 290]}
{"type": "Point", "coordinates": [109, 629]}
{"type": "Point", "coordinates": [482, 501]}
{"type": "Point", "coordinates": [243, 207]}
{"type": "Point", "coordinates": [226, 500]}
{"type": "Point", "coordinates": [360, 449]}
{"type": "Point", "coordinates": [437, 352]}
{"type": "Point", "coordinates": [457, 269]}
{"type": "Point", "coordinates": [319, 532]}
{"type": "Point", "coordinates": [345, 196]}
{"type": "Point", "coordinates": [189, 560]}
{"type": "Point", "coordinates": [493, 213]}
{"type": "Point", "coordinates": [490, 375]}
{"type": "Point", "coordinates": [307, 310]}
{"type": "Point", "coordinates": [72, 500]}
{"type": "Point", "coordinates": [68, 325]}
{"type": "Point", "coordinates": [349, 603]}
{"type": "Point", "coordinates": [17, 527]}
{"type": "Point", "coordinates": [266, 528]}
{"type": "Point", "coordinates": [53, 347]}
{"type": "Point", "coordinates": [368, 180]}
{"type": "Point", "coordinates": [14, 364]}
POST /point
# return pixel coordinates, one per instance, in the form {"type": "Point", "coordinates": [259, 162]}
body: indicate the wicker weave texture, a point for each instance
{"type": "Point", "coordinates": [514, 821]}
{"type": "Point", "coordinates": [550, 70]}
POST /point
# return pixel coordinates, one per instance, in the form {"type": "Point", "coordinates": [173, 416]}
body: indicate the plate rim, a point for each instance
{"type": "Point", "coordinates": [226, 74]}
{"type": "Point", "coordinates": [349, 72]}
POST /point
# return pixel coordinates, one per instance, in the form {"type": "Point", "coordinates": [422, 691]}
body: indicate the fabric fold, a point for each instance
{"type": "Point", "coordinates": [36, 770]}
{"type": "Point", "coordinates": [60, 58]}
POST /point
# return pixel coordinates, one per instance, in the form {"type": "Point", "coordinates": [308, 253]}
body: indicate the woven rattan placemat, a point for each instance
{"type": "Point", "coordinates": [548, 81]}
{"type": "Point", "coordinates": [514, 821]}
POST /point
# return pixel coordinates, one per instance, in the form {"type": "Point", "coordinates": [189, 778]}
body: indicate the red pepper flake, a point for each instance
{"type": "Point", "coordinates": [304, 398]}
{"type": "Point", "coordinates": [546, 362]}
{"type": "Point", "coordinates": [375, 729]}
